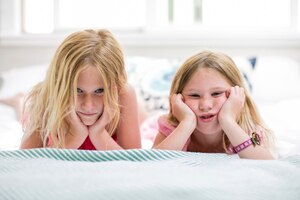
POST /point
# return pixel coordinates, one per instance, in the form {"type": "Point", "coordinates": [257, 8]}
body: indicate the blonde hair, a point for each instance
{"type": "Point", "coordinates": [51, 101]}
{"type": "Point", "coordinates": [249, 118]}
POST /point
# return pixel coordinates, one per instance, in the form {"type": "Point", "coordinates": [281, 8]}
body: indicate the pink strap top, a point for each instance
{"type": "Point", "coordinates": [166, 129]}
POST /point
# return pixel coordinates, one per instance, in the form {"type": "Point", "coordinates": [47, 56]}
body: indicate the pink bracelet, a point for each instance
{"type": "Point", "coordinates": [254, 140]}
{"type": "Point", "coordinates": [242, 146]}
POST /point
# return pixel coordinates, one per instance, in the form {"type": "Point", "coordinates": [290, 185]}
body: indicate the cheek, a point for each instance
{"type": "Point", "coordinates": [219, 102]}
{"type": "Point", "coordinates": [192, 104]}
{"type": "Point", "coordinates": [78, 103]}
{"type": "Point", "coordinates": [100, 104]}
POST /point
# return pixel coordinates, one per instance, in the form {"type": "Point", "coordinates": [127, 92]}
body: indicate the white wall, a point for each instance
{"type": "Point", "coordinates": [17, 50]}
{"type": "Point", "coordinates": [20, 53]}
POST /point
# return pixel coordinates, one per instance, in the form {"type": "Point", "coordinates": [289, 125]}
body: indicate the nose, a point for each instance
{"type": "Point", "coordinates": [205, 104]}
{"type": "Point", "coordinates": [88, 103]}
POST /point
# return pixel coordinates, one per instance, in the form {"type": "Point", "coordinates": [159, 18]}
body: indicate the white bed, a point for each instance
{"type": "Point", "coordinates": [150, 174]}
{"type": "Point", "coordinates": [144, 174]}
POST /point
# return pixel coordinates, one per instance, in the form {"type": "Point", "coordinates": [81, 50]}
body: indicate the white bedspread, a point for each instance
{"type": "Point", "coordinates": [144, 174]}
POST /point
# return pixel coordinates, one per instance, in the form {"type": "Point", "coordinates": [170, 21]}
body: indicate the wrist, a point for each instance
{"type": "Point", "coordinates": [227, 122]}
{"type": "Point", "coordinates": [188, 124]}
{"type": "Point", "coordinates": [253, 141]}
{"type": "Point", "coordinates": [98, 132]}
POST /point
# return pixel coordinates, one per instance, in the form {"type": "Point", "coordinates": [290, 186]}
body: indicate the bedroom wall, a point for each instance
{"type": "Point", "coordinates": [20, 55]}
{"type": "Point", "coordinates": [19, 50]}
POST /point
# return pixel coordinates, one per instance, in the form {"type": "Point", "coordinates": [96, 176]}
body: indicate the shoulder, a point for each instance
{"type": "Point", "coordinates": [127, 98]}
{"type": "Point", "coordinates": [127, 89]}
{"type": "Point", "coordinates": [127, 92]}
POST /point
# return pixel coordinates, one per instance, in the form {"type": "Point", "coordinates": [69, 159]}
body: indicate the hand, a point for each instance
{"type": "Point", "coordinates": [77, 133]}
{"type": "Point", "coordinates": [234, 104]}
{"type": "Point", "coordinates": [102, 122]}
{"type": "Point", "coordinates": [76, 125]}
{"type": "Point", "coordinates": [181, 111]}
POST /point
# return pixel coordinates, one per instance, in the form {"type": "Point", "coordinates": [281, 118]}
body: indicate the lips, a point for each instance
{"type": "Point", "coordinates": [87, 114]}
{"type": "Point", "coordinates": [207, 118]}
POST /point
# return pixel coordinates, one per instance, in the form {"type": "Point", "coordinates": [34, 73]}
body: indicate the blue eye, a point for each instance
{"type": "Point", "coordinates": [79, 91]}
{"type": "Point", "coordinates": [99, 91]}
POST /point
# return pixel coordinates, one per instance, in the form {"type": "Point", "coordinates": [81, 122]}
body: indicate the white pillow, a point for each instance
{"type": "Point", "coordinates": [21, 79]}
{"type": "Point", "coordinates": [275, 79]}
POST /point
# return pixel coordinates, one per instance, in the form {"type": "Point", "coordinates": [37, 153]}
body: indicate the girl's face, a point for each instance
{"type": "Point", "coordinates": [205, 94]}
{"type": "Point", "coordinates": [89, 105]}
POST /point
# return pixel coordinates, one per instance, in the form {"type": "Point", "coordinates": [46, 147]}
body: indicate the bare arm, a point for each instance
{"type": "Point", "coordinates": [103, 141]}
{"type": "Point", "coordinates": [98, 134]}
{"type": "Point", "coordinates": [31, 141]}
{"type": "Point", "coordinates": [177, 139]}
{"type": "Point", "coordinates": [128, 131]}
{"type": "Point", "coordinates": [187, 124]}
{"type": "Point", "coordinates": [77, 133]}
{"type": "Point", "coordinates": [227, 118]}
{"type": "Point", "coordinates": [237, 136]}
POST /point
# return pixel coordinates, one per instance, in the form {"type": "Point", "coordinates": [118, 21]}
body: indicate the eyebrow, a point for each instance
{"type": "Point", "coordinates": [99, 88]}
{"type": "Point", "coordinates": [211, 90]}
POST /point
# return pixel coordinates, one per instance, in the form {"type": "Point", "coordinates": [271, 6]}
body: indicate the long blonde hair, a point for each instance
{"type": "Point", "coordinates": [51, 101]}
{"type": "Point", "coordinates": [249, 118]}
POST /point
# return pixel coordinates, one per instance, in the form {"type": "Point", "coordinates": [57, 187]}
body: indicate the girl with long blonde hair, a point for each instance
{"type": "Point", "coordinates": [211, 111]}
{"type": "Point", "coordinates": [85, 101]}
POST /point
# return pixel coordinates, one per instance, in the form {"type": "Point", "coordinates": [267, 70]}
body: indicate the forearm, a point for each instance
{"type": "Point", "coordinates": [31, 141]}
{"type": "Point", "coordinates": [178, 138]}
{"type": "Point", "coordinates": [237, 136]}
{"type": "Point", "coordinates": [103, 141]}
{"type": "Point", "coordinates": [74, 141]}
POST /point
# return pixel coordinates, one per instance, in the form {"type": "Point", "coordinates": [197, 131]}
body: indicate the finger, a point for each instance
{"type": "Point", "coordinates": [173, 99]}
{"type": "Point", "coordinates": [107, 114]}
{"type": "Point", "coordinates": [72, 115]}
{"type": "Point", "coordinates": [227, 92]}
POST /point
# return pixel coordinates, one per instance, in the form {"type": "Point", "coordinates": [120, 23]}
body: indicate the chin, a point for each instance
{"type": "Point", "coordinates": [88, 122]}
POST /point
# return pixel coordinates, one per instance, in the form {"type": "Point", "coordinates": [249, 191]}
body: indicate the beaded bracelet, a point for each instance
{"type": "Point", "coordinates": [254, 140]}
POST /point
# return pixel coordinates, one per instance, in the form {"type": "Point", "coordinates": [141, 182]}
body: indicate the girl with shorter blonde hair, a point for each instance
{"type": "Point", "coordinates": [211, 111]}
{"type": "Point", "coordinates": [85, 101]}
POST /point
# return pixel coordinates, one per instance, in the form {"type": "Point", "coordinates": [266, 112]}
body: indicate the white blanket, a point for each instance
{"type": "Point", "coordinates": [144, 174]}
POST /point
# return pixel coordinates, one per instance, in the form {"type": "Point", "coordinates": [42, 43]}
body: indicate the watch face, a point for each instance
{"type": "Point", "coordinates": [255, 138]}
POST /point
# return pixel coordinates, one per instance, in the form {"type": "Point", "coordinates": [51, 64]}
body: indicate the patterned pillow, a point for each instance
{"type": "Point", "coordinates": [152, 79]}
{"type": "Point", "coordinates": [246, 66]}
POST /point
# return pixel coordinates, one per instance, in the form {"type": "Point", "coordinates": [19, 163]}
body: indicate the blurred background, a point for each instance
{"type": "Point", "coordinates": [30, 30]}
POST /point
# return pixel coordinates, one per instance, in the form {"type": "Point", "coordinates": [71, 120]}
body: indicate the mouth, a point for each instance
{"type": "Point", "coordinates": [87, 114]}
{"type": "Point", "coordinates": [207, 118]}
